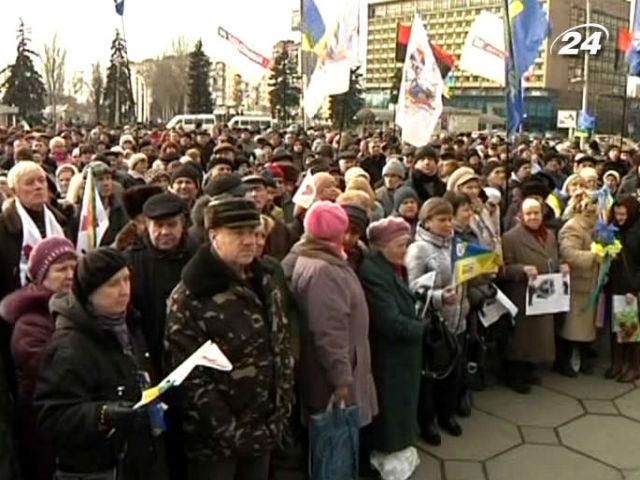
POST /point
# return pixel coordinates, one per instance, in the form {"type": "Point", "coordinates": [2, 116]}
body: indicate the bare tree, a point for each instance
{"type": "Point", "coordinates": [96, 90]}
{"type": "Point", "coordinates": [54, 63]}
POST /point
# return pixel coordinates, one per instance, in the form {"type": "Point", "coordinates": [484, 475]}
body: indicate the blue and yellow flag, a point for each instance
{"type": "Point", "coordinates": [313, 27]}
{"type": "Point", "coordinates": [470, 260]}
{"type": "Point", "coordinates": [529, 28]}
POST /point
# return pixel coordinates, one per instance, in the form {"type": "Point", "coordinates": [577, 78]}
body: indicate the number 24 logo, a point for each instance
{"type": "Point", "coordinates": [574, 43]}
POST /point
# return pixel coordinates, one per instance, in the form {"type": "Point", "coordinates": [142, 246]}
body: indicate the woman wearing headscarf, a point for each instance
{"type": "Point", "coordinates": [51, 266]}
{"type": "Point", "coordinates": [431, 252]}
{"type": "Point", "coordinates": [624, 279]}
{"type": "Point", "coordinates": [529, 249]}
{"type": "Point", "coordinates": [64, 174]}
{"type": "Point", "coordinates": [94, 371]}
{"type": "Point", "coordinates": [396, 335]}
{"type": "Point", "coordinates": [579, 327]}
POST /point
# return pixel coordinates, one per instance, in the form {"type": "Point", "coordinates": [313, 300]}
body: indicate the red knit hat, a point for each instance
{"type": "Point", "coordinates": [46, 253]}
{"type": "Point", "coordinates": [326, 221]}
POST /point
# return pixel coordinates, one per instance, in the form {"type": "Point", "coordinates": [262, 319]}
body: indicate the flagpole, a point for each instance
{"type": "Point", "coordinates": [585, 75]}
{"type": "Point", "coordinates": [509, 43]}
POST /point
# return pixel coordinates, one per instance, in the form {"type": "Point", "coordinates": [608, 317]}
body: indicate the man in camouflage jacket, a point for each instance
{"type": "Point", "coordinates": [231, 421]}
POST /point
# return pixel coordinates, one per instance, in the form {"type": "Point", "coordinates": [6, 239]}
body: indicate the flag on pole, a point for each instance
{"type": "Point", "coordinates": [208, 355]}
{"type": "Point", "coordinates": [484, 52]}
{"type": "Point", "coordinates": [420, 98]}
{"type": "Point", "coordinates": [629, 42]}
{"type": "Point", "coordinates": [94, 220]}
{"type": "Point", "coordinates": [119, 4]}
{"type": "Point", "coordinates": [444, 59]}
{"type": "Point", "coordinates": [336, 50]}
{"type": "Point", "coordinates": [470, 260]}
{"type": "Point", "coordinates": [529, 28]}
{"type": "Point", "coordinates": [306, 193]}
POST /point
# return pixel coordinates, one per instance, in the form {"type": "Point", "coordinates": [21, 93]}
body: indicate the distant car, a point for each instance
{"type": "Point", "coordinates": [188, 122]}
{"type": "Point", "coordinates": [252, 122]}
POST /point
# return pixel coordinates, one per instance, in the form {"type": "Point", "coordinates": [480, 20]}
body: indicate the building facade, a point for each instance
{"type": "Point", "coordinates": [554, 83]}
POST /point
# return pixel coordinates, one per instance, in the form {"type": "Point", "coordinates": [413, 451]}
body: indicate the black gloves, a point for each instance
{"type": "Point", "coordinates": [119, 416]}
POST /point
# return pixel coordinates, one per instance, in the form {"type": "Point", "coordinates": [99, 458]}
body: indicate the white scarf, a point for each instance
{"type": "Point", "coordinates": [31, 235]}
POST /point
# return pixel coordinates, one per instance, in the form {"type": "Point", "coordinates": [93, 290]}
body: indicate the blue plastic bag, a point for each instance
{"type": "Point", "coordinates": [334, 444]}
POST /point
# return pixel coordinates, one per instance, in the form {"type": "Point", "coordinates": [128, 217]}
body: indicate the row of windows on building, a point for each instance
{"type": "Point", "coordinates": [399, 8]}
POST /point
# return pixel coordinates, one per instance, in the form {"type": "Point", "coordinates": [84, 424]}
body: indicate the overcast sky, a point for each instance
{"type": "Point", "coordinates": [86, 27]}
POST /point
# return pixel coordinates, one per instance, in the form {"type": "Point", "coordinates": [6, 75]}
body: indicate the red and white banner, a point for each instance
{"type": "Point", "coordinates": [256, 58]}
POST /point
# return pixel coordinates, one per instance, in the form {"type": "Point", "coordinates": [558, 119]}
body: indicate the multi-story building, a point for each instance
{"type": "Point", "coordinates": [555, 82]}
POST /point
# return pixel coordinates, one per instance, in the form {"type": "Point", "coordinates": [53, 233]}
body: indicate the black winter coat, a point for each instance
{"type": "Point", "coordinates": [624, 275]}
{"type": "Point", "coordinates": [154, 275]}
{"type": "Point", "coordinates": [85, 367]}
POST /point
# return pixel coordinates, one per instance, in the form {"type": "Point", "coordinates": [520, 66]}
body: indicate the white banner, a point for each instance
{"type": "Point", "coordinates": [337, 54]}
{"type": "Point", "coordinates": [484, 50]}
{"type": "Point", "coordinates": [420, 99]}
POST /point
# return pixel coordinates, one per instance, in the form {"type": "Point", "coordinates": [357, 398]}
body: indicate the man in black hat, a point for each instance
{"type": "Point", "coordinates": [232, 421]}
{"type": "Point", "coordinates": [219, 166]}
{"type": "Point", "coordinates": [424, 177]}
{"type": "Point", "coordinates": [280, 239]}
{"type": "Point", "coordinates": [185, 182]}
{"type": "Point", "coordinates": [374, 162]}
{"type": "Point", "coordinates": [156, 261]}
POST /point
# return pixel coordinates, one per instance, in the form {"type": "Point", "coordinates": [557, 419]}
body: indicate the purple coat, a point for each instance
{"type": "Point", "coordinates": [334, 332]}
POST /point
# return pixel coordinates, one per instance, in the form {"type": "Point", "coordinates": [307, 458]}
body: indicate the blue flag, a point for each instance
{"type": "Point", "coordinates": [633, 54]}
{"type": "Point", "coordinates": [586, 121]}
{"type": "Point", "coordinates": [313, 27]}
{"type": "Point", "coordinates": [529, 28]}
{"type": "Point", "coordinates": [119, 7]}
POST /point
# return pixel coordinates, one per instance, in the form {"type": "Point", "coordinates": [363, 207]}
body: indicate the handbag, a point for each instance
{"type": "Point", "coordinates": [334, 443]}
{"type": "Point", "coordinates": [440, 346]}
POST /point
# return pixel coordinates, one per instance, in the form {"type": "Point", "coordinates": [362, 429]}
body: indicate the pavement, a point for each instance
{"type": "Point", "coordinates": [585, 428]}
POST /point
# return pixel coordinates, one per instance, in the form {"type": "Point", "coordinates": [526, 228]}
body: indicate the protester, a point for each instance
{"type": "Point", "coordinates": [396, 335]}
{"type": "Point", "coordinates": [393, 174]}
{"type": "Point", "coordinates": [424, 178]}
{"type": "Point", "coordinates": [579, 327]}
{"type": "Point", "coordinates": [623, 280]}
{"type": "Point", "coordinates": [529, 250]}
{"type": "Point", "coordinates": [231, 434]}
{"type": "Point", "coordinates": [93, 373]}
{"type": "Point", "coordinates": [431, 252]}
{"type": "Point", "coordinates": [335, 358]}
{"type": "Point", "coordinates": [50, 269]}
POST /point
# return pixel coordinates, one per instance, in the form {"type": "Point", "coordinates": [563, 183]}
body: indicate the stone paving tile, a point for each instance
{"type": "Point", "coordinates": [629, 404]}
{"type": "Point", "coordinates": [475, 443]}
{"type": "Point", "coordinates": [613, 440]}
{"type": "Point", "coordinates": [592, 387]}
{"type": "Point", "coordinates": [455, 470]}
{"type": "Point", "coordinates": [541, 408]}
{"type": "Point", "coordinates": [429, 468]}
{"type": "Point", "coordinates": [600, 406]}
{"type": "Point", "coordinates": [546, 462]}
{"type": "Point", "coordinates": [546, 436]}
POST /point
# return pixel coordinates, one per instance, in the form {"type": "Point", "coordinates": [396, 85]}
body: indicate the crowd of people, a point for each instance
{"type": "Point", "coordinates": [312, 303]}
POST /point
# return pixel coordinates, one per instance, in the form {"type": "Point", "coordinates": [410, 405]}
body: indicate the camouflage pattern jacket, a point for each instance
{"type": "Point", "coordinates": [243, 412]}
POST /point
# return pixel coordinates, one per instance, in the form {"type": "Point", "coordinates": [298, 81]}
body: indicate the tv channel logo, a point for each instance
{"type": "Point", "coordinates": [573, 40]}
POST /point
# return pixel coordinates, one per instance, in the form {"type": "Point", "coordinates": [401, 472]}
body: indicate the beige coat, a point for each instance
{"type": "Point", "coordinates": [575, 244]}
{"type": "Point", "coordinates": [532, 339]}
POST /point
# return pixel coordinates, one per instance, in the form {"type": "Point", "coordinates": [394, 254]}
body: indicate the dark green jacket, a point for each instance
{"type": "Point", "coordinates": [396, 347]}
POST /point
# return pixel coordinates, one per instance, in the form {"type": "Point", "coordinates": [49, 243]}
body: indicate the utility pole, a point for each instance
{"type": "Point", "coordinates": [116, 119]}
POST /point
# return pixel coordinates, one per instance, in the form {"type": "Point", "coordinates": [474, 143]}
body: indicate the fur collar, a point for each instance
{"type": "Point", "coordinates": [206, 274]}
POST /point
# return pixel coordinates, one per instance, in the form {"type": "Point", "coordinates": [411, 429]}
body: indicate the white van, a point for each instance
{"type": "Point", "coordinates": [188, 122]}
{"type": "Point", "coordinates": [253, 122]}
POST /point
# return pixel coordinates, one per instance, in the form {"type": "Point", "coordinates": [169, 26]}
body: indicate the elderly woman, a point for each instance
{"type": "Point", "coordinates": [25, 221]}
{"type": "Point", "coordinates": [579, 329]}
{"type": "Point", "coordinates": [396, 335]}
{"type": "Point", "coordinates": [624, 280]}
{"type": "Point", "coordinates": [335, 358]}
{"type": "Point", "coordinates": [51, 266]}
{"type": "Point", "coordinates": [94, 371]}
{"type": "Point", "coordinates": [431, 252]}
{"type": "Point", "coordinates": [529, 249]}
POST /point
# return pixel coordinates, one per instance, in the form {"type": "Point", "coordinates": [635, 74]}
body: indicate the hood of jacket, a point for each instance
{"type": "Point", "coordinates": [31, 298]}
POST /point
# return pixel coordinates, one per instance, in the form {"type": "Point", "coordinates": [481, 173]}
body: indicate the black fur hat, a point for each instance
{"type": "Point", "coordinates": [135, 197]}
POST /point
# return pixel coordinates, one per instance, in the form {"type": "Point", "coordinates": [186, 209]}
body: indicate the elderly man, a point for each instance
{"type": "Point", "coordinates": [185, 182]}
{"type": "Point", "coordinates": [232, 420]}
{"type": "Point", "coordinates": [156, 261]}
